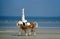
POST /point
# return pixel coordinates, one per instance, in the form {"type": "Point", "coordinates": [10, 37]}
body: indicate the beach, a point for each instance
{"type": "Point", "coordinates": [41, 33]}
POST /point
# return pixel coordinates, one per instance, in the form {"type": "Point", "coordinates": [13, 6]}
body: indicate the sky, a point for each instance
{"type": "Point", "coordinates": [43, 8]}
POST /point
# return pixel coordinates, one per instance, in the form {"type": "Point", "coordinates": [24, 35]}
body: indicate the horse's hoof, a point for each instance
{"type": "Point", "coordinates": [30, 33]}
{"type": "Point", "coordinates": [19, 33]}
{"type": "Point", "coordinates": [34, 33]}
{"type": "Point", "coordinates": [26, 34]}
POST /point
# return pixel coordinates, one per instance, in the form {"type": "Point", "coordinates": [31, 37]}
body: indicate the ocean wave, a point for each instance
{"type": "Point", "coordinates": [50, 22]}
{"type": "Point", "coordinates": [48, 27]}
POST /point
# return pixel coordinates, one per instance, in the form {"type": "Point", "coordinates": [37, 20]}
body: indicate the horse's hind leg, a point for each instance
{"type": "Point", "coordinates": [33, 32]}
{"type": "Point", "coordinates": [29, 32]}
{"type": "Point", "coordinates": [26, 34]}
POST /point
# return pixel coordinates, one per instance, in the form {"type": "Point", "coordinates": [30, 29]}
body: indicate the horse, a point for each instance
{"type": "Point", "coordinates": [25, 26]}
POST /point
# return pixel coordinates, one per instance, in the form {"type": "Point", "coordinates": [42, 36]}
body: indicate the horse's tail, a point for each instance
{"type": "Point", "coordinates": [36, 24]}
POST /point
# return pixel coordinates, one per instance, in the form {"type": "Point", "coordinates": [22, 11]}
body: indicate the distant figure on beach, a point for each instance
{"type": "Point", "coordinates": [24, 25]}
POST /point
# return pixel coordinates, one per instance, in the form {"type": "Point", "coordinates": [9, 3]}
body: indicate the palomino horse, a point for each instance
{"type": "Point", "coordinates": [25, 26]}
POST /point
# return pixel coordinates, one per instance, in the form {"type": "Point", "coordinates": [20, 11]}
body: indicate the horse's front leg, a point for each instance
{"type": "Point", "coordinates": [20, 31]}
{"type": "Point", "coordinates": [26, 33]}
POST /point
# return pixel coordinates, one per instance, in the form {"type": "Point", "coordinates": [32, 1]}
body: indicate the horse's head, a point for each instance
{"type": "Point", "coordinates": [19, 23]}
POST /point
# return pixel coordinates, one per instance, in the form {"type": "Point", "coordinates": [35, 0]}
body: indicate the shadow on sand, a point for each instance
{"type": "Point", "coordinates": [20, 35]}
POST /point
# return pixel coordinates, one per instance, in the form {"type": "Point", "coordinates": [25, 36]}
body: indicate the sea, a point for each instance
{"type": "Point", "coordinates": [43, 22]}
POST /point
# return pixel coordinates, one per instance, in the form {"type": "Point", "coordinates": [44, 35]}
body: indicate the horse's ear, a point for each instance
{"type": "Point", "coordinates": [17, 24]}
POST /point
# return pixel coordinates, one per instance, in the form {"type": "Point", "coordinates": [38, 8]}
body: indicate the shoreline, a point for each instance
{"type": "Point", "coordinates": [37, 28]}
{"type": "Point", "coordinates": [42, 33]}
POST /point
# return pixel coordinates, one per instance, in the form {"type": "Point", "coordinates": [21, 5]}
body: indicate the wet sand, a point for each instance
{"type": "Point", "coordinates": [41, 33]}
